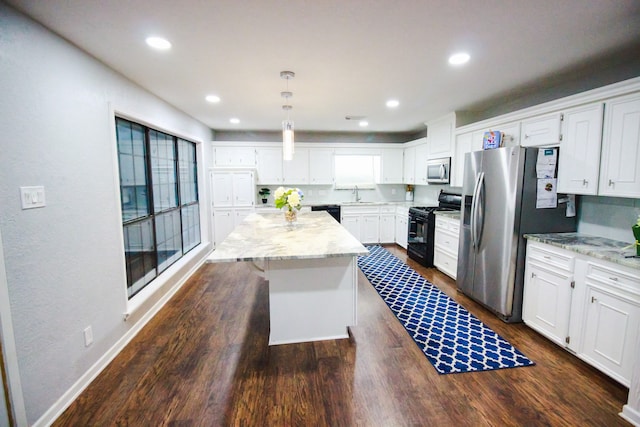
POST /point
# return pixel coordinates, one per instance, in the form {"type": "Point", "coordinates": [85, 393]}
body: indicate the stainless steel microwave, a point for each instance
{"type": "Point", "coordinates": [438, 170]}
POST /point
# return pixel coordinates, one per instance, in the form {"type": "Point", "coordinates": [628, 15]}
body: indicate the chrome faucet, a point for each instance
{"type": "Point", "coordinates": [355, 191]}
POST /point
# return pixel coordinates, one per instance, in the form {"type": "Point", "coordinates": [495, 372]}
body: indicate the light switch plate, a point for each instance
{"type": "Point", "coordinates": [32, 197]}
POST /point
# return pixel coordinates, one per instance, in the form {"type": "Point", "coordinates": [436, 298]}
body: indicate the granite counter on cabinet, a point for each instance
{"type": "Point", "coordinates": [598, 247]}
{"type": "Point", "coordinates": [311, 268]}
{"type": "Point", "coordinates": [449, 214]}
{"type": "Point", "coordinates": [267, 236]}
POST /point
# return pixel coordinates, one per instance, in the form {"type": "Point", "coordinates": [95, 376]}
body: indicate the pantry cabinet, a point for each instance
{"type": "Point", "coordinates": [588, 305]}
{"type": "Point", "coordinates": [620, 162]}
{"type": "Point", "coordinates": [233, 198]}
{"type": "Point", "coordinates": [579, 162]}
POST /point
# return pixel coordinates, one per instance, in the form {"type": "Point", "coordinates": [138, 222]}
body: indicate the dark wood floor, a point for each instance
{"type": "Point", "coordinates": [204, 361]}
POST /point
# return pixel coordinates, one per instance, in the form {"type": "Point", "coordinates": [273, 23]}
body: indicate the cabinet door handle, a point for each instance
{"type": "Point", "coordinates": [593, 299]}
{"type": "Point", "coordinates": [615, 279]}
{"type": "Point", "coordinates": [585, 182]}
{"type": "Point", "coordinates": [611, 182]}
{"type": "Point", "coordinates": [546, 257]}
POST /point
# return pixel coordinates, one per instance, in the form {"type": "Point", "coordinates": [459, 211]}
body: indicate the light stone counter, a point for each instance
{"type": "Point", "coordinates": [311, 268]}
{"type": "Point", "coordinates": [449, 214]}
{"type": "Point", "coordinates": [597, 247]}
{"type": "Point", "coordinates": [263, 237]}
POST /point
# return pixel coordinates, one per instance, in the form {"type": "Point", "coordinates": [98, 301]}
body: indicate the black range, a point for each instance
{"type": "Point", "coordinates": [422, 224]}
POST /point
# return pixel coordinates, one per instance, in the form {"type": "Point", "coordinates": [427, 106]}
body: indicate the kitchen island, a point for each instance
{"type": "Point", "coordinates": [311, 268]}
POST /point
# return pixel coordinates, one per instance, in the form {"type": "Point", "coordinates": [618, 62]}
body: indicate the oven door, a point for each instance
{"type": "Point", "coordinates": [417, 238]}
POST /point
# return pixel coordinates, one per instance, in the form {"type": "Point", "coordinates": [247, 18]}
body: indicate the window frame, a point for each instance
{"type": "Point", "coordinates": [158, 265]}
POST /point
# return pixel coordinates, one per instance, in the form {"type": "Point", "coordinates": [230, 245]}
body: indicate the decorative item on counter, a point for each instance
{"type": "Point", "coordinates": [492, 139]}
{"type": "Point", "coordinates": [408, 196]}
{"type": "Point", "coordinates": [636, 233]}
{"type": "Point", "coordinates": [291, 199]}
{"type": "Point", "coordinates": [264, 193]}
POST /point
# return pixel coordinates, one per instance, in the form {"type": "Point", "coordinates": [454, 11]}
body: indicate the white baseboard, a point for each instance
{"type": "Point", "coordinates": [83, 382]}
{"type": "Point", "coordinates": [630, 414]}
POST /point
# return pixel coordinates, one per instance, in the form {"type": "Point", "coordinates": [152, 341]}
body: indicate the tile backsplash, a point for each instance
{"type": "Point", "coordinates": [610, 217]}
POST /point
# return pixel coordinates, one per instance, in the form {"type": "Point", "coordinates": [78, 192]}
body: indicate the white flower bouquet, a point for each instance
{"type": "Point", "coordinates": [291, 198]}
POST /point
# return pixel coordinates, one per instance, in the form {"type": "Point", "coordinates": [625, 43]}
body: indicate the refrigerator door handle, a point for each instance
{"type": "Point", "coordinates": [479, 214]}
{"type": "Point", "coordinates": [474, 205]}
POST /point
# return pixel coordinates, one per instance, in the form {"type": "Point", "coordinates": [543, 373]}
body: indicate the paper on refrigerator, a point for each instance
{"type": "Point", "coordinates": [546, 163]}
{"type": "Point", "coordinates": [547, 195]}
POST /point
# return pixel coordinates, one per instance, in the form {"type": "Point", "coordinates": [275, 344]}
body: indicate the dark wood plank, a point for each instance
{"type": "Point", "coordinates": [204, 361]}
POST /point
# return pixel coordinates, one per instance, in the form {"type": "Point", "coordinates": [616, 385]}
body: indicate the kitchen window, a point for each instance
{"type": "Point", "coordinates": [362, 171]}
{"type": "Point", "coordinates": [159, 199]}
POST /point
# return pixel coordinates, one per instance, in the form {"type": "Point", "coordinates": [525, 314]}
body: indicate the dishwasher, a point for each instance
{"type": "Point", "coordinates": [333, 210]}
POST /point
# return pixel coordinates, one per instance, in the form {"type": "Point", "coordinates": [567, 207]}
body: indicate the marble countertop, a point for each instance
{"type": "Point", "coordinates": [449, 214]}
{"type": "Point", "coordinates": [267, 236]}
{"type": "Point", "coordinates": [597, 247]}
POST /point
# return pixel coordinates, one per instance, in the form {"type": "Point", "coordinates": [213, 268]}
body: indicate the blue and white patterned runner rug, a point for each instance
{"type": "Point", "coordinates": [452, 338]}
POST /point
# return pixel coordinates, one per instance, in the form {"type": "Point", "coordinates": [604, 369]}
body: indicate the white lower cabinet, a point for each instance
{"type": "Point", "coordinates": [402, 226]}
{"type": "Point", "coordinates": [589, 306]}
{"type": "Point", "coordinates": [445, 250]}
{"type": "Point", "coordinates": [371, 223]}
{"type": "Point", "coordinates": [226, 219]}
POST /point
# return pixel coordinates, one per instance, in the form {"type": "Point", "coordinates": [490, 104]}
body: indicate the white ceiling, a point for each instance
{"type": "Point", "coordinates": [349, 56]}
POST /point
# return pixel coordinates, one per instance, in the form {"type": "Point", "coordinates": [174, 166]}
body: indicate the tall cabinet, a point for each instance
{"type": "Point", "coordinates": [233, 198]}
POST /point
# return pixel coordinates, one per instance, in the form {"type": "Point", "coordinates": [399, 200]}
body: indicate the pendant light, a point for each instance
{"type": "Point", "coordinates": [287, 125]}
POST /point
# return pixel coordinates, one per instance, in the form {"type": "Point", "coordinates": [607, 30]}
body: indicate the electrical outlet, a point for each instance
{"type": "Point", "coordinates": [88, 336]}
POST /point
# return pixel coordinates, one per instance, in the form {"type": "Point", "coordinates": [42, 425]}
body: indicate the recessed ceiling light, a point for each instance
{"type": "Point", "coordinates": [363, 123]}
{"type": "Point", "coordinates": [158, 43]}
{"type": "Point", "coordinates": [234, 120]}
{"type": "Point", "coordinates": [212, 98]}
{"type": "Point", "coordinates": [393, 103]}
{"type": "Point", "coordinates": [459, 58]}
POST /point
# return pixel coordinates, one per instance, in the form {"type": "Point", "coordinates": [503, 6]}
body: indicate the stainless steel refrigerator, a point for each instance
{"type": "Point", "coordinates": [498, 208]}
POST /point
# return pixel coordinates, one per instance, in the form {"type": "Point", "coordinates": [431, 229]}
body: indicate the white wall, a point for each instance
{"type": "Point", "coordinates": [65, 263]}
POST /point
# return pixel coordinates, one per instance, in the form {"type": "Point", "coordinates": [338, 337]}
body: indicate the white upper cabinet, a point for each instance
{"type": "Point", "coordinates": [620, 162]}
{"type": "Point", "coordinates": [269, 166]}
{"type": "Point", "coordinates": [579, 161]}
{"type": "Point", "coordinates": [392, 166]}
{"type": "Point", "coordinates": [321, 166]}
{"type": "Point", "coordinates": [465, 143]}
{"type": "Point", "coordinates": [440, 136]}
{"type": "Point", "coordinates": [232, 189]}
{"type": "Point", "coordinates": [409, 165]}
{"type": "Point", "coordinates": [234, 157]}
{"type": "Point", "coordinates": [296, 170]}
{"type": "Point", "coordinates": [422, 151]}
{"type": "Point", "coordinates": [540, 131]}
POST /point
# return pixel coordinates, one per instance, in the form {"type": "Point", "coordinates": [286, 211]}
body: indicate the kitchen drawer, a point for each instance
{"type": "Point", "coordinates": [446, 223]}
{"type": "Point", "coordinates": [447, 241]}
{"type": "Point", "coordinates": [614, 277]}
{"type": "Point", "coordinates": [388, 209]}
{"type": "Point", "coordinates": [446, 263]}
{"type": "Point", "coordinates": [556, 258]}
